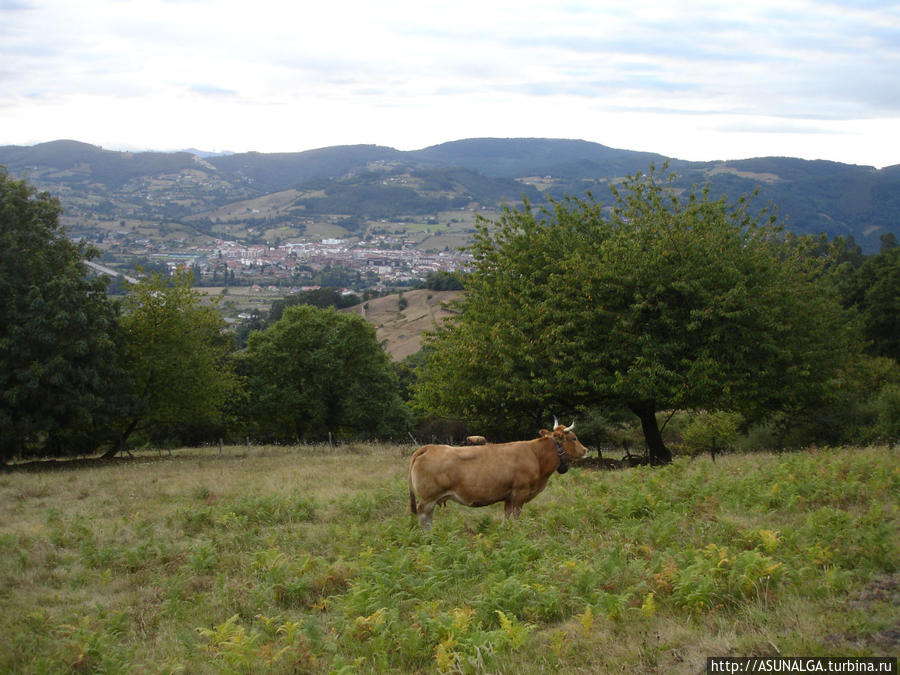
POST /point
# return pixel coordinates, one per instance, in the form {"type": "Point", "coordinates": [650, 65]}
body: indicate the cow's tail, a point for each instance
{"type": "Point", "coordinates": [412, 497]}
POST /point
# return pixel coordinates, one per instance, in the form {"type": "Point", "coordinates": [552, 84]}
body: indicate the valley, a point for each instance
{"type": "Point", "coordinates": [374, 219]}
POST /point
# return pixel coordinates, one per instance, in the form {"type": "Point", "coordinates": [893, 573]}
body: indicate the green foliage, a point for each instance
{"type": "Point", "coordinates": [59, 378]}
{"type": "Point", "coordinates": [87, 647]}
{"type": "Point", "coordinates": [443, 281]}
{"type": "Point", "coordinates": [856, 408]}
{"type": "Point", "coordinates": [887, 407]}
{"type": "Point", "coordinates": [875, 290]}
{"type": "Point", "coordinates": [712, 432]}
{"type": "Point", "coordinates": [177, 357]}
{"type": "Point", "coordinates": [321, 297]}
{"type": "Point", "coordinates": [665, 303]}
{"type": "Point", "coordinates": [255, 511]}
{"type": "Point", "coordinates": [718, 577]}
{"type": "Point", "coordinates": [273, 643]}
{"type": "Point", "coordinates": [318, 371]}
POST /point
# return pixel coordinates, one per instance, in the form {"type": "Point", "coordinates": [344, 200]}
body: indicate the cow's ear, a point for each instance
{"type": "Point", "coordinates": [546, 432]}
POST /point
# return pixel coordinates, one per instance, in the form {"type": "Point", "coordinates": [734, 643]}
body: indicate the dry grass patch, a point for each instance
{"type": "Point", "coordinates": [401, 332]}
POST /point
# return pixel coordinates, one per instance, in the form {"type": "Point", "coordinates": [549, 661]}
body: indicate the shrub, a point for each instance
{"type": "Point", "coordinates": [711, 432]}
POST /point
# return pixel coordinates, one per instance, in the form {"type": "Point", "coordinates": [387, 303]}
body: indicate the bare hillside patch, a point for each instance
{"type": "Point", "coordinates": [401, 329]}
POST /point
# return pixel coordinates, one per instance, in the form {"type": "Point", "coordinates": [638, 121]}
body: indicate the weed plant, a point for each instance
{"type": "Point", "coordinates": [306, 560]}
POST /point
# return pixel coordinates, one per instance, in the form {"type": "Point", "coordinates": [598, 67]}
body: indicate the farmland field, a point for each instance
{"type": "Point", "coordinates": [242, 298]}
{"type": "Point", "coordinates": [305, 559]}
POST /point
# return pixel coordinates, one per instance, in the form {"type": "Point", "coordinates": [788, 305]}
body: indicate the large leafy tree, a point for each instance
{"type": "Point", "coordinates": [57, 333]}
{"type": "Point", "coordinates": [317, 371]}
{"type": "Point", "coordinates": [874, 289]}
{"type": "Point", "coordinates": [660, 303]}
{"type": "Point", "coordinates": [177, 357]}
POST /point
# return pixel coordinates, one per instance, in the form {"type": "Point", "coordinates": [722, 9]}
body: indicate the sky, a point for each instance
{"type": "Point", "coordinates": [688, 79]}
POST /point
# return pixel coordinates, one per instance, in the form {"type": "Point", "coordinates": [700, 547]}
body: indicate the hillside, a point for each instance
{"type": "Point", "coordinates": [519, 157]}
{"type": "Point", "coordinates": [401, 330]}
{"type": "Point", "coordinates": [353, 191]}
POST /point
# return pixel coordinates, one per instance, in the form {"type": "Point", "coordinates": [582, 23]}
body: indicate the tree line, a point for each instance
{"type": "Point", "coordinates": [658, 302]}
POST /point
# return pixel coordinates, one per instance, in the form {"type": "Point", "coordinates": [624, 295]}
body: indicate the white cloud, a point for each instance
{"type": "Point", "coordinates": [691, 79]}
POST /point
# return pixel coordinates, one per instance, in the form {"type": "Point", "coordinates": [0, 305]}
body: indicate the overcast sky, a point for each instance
{"type": "Point", "coordinates": [688, 79]}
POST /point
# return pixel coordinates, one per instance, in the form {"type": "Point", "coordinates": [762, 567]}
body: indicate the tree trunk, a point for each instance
{"type": "Point", "coordinates": [118, 447]}
{"type": "Point", "coordinates": [646, 412]}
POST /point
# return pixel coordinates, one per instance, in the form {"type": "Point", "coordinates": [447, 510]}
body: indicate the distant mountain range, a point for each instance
{"type": "Point", "coordinates": [359, 185]}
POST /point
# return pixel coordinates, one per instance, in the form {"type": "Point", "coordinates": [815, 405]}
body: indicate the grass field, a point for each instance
{"type": "Point", "coordinates": [242, 298]}
{"type": "Point", "coordinates": [307, 560]}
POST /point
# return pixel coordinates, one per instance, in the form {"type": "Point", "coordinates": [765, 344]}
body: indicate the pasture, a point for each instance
{"type": "Point", "coordinates": [306, 559]}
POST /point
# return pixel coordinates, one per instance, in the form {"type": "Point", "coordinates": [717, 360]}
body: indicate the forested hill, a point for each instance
{"type": "Point", "coordinates": [369, 182]}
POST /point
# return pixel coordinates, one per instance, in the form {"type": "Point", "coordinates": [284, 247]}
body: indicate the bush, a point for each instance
{"type": "Point", "coordinates": [712, 432]}
{"type": "Point", "coordinates": [887, 409]}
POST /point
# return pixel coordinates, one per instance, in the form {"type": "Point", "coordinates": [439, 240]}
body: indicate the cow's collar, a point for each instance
{"type": "Point", "coordinates": [563, 457]}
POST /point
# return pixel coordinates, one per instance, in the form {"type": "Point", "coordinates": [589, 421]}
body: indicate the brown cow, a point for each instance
{"type": "Point", "coordinates": [476, 440]}
{"type": "Point", "coordinates": [513, 473]}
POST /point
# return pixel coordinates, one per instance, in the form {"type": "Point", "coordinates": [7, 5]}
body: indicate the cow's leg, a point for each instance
{"type": "Point", "coordinates": [426, 510]}
{"type": "Point", "coordinates": [511, 509]}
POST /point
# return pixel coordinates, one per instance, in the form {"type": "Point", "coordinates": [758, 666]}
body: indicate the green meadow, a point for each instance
{"type": "Point", "coordinates": [306, 559]}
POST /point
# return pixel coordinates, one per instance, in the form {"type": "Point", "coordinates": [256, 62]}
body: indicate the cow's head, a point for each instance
{"type": "Point", "coordinates": [566, 442]}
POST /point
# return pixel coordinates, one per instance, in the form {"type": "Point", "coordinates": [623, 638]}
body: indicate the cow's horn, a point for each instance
{"type": "Point", "coordinates": [571, 426]}
{"type": "Point", "coordinates": [555, 422]}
